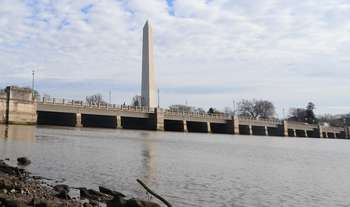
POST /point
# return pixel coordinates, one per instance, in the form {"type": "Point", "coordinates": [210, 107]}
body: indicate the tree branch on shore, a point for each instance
{"type": "Point", "coordinates": [153, 193]}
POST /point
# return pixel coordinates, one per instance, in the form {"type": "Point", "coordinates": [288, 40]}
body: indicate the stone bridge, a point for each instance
{"type": "Point", "coordinates": [18, 107]}
{"type": "Point", "coordinates": [79, 114]}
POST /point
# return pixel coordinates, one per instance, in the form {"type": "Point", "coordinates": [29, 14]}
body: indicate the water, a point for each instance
{"type": "Point", "coordinates": [189, 169]}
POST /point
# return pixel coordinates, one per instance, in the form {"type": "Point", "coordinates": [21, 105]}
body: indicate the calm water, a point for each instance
{"type": "Point", "coordinates": [190, 169]}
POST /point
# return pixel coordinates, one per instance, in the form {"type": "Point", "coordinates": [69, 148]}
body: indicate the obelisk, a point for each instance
{"type": "Point", "coordinates": [148, 90]}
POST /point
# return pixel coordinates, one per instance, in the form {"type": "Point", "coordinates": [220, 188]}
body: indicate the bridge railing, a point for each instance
{"type": "Point", "coordinates": [214, 116]}
{"type": "Point", "coordinates": [197, 114]}
{"type": "Point", "coordinates": [297, 123]}
{"type": "Point", "coordinates": [269, 121]}
{"type": "Point", "coordinates": [70, 102]}
{"type": "Point", "coordinates": [333, 129]}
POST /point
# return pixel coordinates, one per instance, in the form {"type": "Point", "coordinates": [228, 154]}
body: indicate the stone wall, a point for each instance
{"type": "Point", "coordinates": [3, 99]}
{"type": "Point", "coordinates": [21, 107]}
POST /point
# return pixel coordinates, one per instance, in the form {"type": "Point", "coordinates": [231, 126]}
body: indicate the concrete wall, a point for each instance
{"type": "Point", "coordinates": [21, 108]}
{"type": "Point", "coordinates": [3, 99]}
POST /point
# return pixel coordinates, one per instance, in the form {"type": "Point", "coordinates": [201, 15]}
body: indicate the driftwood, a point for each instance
{"type": "Point", "coordinates": [153, 193]}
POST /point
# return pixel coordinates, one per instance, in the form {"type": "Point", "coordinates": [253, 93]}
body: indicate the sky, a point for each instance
{"type": "Point", "coordinates": [208, 52]}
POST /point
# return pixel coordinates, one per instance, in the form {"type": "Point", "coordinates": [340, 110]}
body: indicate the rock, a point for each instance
{"type": "Point", "coordinates": [5, 168]}
{"type": "Point", "coordinates": [135, 202]}
{"type": "Point", "coordinates": [84, 193]}
{"type": "Point", "coordinates": [39, 203]}
{"type": "Point", "coordinates": [23, 161]}
{"type": "Point", "coordinates": [59, 188]}
{"type": "Point", "coordinates": [110, 192]}
{"type": "Point", "coordinates": [7, 159]}
{"type": "Point", "coordinates": [117, 202]}
{"type": "Point", "coordinates": [94, 203]}
{"type": "Point", "coordinates": [6, 184]}
{"type": "Point", "coordinates": [11, 203]}
{"type": "Point", "coordinates": [87, 205]}
{"type": "Point", "coordinates": [63, 195]}
{"type": "Point", "coordinates": [93, 194]}
{"type": "Point", "coordinates": [96, 193]}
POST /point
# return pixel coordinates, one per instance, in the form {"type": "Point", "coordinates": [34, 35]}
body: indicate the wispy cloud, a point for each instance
{"type": "Point", "coordinates": [287, 51]}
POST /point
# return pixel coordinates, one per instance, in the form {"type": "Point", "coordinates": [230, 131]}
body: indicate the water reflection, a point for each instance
{"type": "Point", "coordinates": [148, 153]}
{"type": "Point", "coordinates": [18, 132]}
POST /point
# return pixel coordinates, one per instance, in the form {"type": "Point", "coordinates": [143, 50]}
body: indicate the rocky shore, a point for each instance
{"type": "Point", "coordinates": [18, 188]}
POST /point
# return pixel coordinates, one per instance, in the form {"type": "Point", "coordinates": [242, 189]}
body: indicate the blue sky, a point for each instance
{"type": "Point", "coordinates": [208, 53]}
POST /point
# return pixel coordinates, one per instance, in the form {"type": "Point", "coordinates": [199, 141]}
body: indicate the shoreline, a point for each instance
{"type": "Point", "coordinates": [19, 188]}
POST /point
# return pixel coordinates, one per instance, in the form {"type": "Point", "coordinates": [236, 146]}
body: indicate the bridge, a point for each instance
{"type": "Point", "coordinates": [79, 114]}
{"type": "Point", "coordinates": [17, 107]}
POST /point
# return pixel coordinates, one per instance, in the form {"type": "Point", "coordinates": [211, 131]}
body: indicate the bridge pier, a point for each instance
{"type": "Point", "coordinates": [266, 131]}
{"type": "Point", "coordinates": [347, 132]}
{"type": "Point", "coordinates": [184, 122]}
{"type": "Point", "coordinates": [318, 132]}
{"type": "Point", "coordinates": [306, 134]}
{"type": "Point", "coordinates": [18, 106]}
{"type": "Point", "coordinates": [78, 122]}
{"type": "Point", "coordinates": [158, 119]}
{"type": "Point", "coordinates": [233, 125]}
{"type": "Point", "coordinates": [284, 128]}
{"type": "Point", "coordinates": [250, 129]}
{"type": "Point", "coordinates": [208, 127]}
{"type": "Point", "coordinates": [119, 122]}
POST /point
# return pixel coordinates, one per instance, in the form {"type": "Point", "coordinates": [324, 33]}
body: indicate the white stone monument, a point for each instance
{"type": "Point", "coordinates": [149, 88]}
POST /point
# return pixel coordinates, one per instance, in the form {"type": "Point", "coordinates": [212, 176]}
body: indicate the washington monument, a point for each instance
{"type": "Point", "coordinates": [149, 88]}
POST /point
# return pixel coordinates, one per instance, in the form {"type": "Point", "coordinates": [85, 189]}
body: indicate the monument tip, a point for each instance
{"type": "Point", "coordinates": [147, 23]}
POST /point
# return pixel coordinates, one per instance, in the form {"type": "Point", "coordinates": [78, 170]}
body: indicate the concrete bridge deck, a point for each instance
{"type": "Point", "coordinates": [121, 116]}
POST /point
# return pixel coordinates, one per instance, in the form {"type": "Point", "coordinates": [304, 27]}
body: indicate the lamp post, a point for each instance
{"type": "Point", "coordinates": [234, 107]}
{"type": "Point", "coordinates": [33, 74]}
{"type": "Point", "coordinates": [158, 98]}
{"type": "Point", "coordinates": [110, 97]}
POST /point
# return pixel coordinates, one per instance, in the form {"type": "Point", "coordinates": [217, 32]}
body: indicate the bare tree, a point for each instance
{"type": "Point", "coordinates": [256, 108]}
{"type": "Point", "coordinates": [246, 108]}
{"type": "Point", "coordinates": [264, 109]}
{"type": "Point", "coordinates": [95, 99]}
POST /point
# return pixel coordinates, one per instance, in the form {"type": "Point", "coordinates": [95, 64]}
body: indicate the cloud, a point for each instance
{"type": "Point", "coordinates": [288, 51]}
